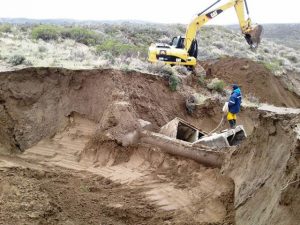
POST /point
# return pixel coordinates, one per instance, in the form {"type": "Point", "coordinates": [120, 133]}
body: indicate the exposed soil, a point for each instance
{"type": "Point", "coordinates": [62, 197]}
{"type": "Point", "coordinates": [69, 127]}
{"type": "Point", "coordinates": [152, 187]}
{"type": "Point", "coordinates": [42, 99]}
{"type": "Point", "coordinates": [254, 79]}
{"type": "Point", "coordinates": [266, 172]}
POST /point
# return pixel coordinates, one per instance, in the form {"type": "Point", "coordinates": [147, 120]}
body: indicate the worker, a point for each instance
{"type": "Point", "coordinates": [234, 105]}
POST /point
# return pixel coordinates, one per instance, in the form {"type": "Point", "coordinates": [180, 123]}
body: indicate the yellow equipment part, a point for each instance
{"type": "Point", "coordinates": [181, 56]}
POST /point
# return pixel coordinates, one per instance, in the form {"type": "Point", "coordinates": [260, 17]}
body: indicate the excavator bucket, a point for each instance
{"type": "Point", "coordinates": [253, 38]}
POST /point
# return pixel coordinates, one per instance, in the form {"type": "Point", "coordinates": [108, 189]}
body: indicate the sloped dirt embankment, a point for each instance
{"type": "Point", "coordinates": [254, 79]}
{"type": "Point", "coordinates": [266, 172]}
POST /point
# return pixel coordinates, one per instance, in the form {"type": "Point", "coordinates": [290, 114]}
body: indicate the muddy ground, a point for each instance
{"type": "Point", "coordinates": [63, 161]}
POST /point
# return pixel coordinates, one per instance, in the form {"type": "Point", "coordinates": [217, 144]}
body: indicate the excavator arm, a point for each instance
{"type": "Point", "coordinates": [252, 33]}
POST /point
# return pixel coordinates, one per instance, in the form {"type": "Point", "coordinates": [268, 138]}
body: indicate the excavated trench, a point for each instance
{"type": "Point", "coordinates": [66, 126]}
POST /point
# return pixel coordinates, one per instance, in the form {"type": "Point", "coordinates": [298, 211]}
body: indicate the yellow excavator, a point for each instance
{"type": "Point", "coordinates": [184, 50]}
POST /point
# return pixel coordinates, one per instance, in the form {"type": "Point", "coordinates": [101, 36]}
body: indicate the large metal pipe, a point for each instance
{"type": "Point", "coordinates": [201, 154]}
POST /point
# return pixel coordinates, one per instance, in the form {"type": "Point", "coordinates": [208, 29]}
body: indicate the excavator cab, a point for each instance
{"type": "Point", "coordinates": [177, 42]}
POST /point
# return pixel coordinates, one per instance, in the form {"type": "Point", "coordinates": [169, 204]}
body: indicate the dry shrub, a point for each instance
{"type": "Point", "coordinates": [16, 60]}
{"type": "Point", "coordinates": [161, 69]}
{"type": "Point", "coordinates": [216, 85]}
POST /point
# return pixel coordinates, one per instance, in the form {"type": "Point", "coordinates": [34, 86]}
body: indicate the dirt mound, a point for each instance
{"type": "Point", "coordinates": [254, 79]}
{"type": "Point", "coordinates": [266, 172]}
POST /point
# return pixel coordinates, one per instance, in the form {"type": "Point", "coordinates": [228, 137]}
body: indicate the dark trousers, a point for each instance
{"type": "Point", "coordinates": [232, 123]}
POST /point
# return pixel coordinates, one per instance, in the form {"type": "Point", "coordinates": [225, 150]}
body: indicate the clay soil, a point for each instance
{"type": "Point", "coordinates": [62, 160]}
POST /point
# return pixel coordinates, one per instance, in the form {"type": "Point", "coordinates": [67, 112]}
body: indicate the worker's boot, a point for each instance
{"type": "Point", "coordinates": [232, 123]}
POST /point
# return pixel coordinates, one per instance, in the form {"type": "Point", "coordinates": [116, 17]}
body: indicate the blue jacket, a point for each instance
{"type": "Point", "coordinates": [235, 100]}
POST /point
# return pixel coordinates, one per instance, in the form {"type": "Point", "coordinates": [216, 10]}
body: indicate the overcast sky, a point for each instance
{"type": "Point", "coordinates": [163, 11]}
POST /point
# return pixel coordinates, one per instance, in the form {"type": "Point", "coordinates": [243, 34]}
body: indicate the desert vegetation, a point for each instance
{"type": "Point", "coordinates": [216, 84]}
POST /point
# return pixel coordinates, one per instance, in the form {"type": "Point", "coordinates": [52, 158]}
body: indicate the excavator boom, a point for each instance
{"type": "Point", "coordinates": [251, 33]}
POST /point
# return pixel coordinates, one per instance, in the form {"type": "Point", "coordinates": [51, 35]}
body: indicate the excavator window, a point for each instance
{"type": "Point", "coordinates": [178, 42]}
{"type": "Point", "coordinates": [193, 51]}
{"type": "Point", "coordinates": [174, 41]}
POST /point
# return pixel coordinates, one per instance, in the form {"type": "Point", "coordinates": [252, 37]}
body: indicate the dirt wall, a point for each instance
{"type": "Point", "coordinates": [266, 172]}
{"type": "Point", "coordinates": [36, 102]}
